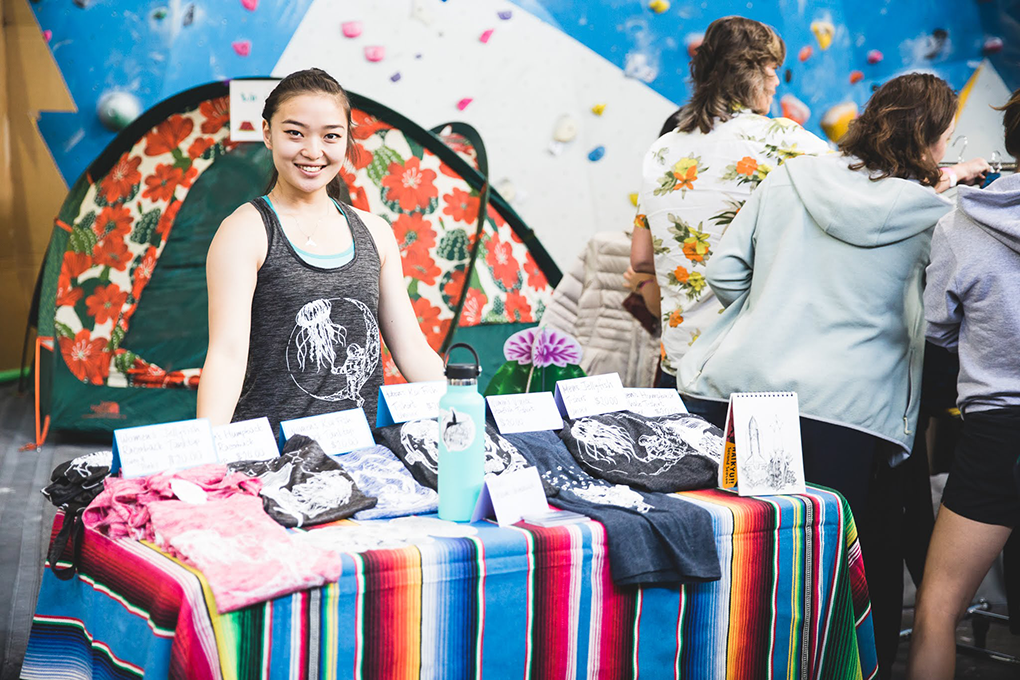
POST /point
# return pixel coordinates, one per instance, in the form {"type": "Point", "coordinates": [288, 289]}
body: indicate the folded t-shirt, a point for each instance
{"type": "Point", "coordinates": [651, 537]}
{"type": "Point", "coordinates": [416, 444]}
{"type": "Point", "coordinates": [304, 486]}
{"type": "Point", "coordinates": [670, 453]}
{"type": "Point", "coordinates": [378, 472]}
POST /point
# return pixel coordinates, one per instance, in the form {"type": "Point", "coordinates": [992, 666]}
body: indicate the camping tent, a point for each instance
{"type": "Point", "coordinates": [121, 308]}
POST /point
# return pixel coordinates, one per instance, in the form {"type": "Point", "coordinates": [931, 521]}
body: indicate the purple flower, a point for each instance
{"type": "Point", "coordinates": [519, 346]}
{"type": "Point", "coordinates": [554, 347]}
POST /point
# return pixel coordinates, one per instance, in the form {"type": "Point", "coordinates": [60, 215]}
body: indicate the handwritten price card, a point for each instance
{"type": "Point", "coordinates": [579, 397]}
{"type": "Point", "coordinates": [245, 440]}
{"type": "Point", "coordinates": [655, 401]}
{"type": "Point", "coordinates": [247, 98]}
{"type": "Point", "coordinates": [413, 401]}
{"type": "Point", "coordinates": [336, 433]}
{"type": "Point", "coordinates": [145, 450]}
{"type": "Point", "coordinates": [528, 412]}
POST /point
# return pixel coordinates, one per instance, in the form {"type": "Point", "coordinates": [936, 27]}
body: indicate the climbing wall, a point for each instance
{"type": "Point", "coordinates": [566, 95]}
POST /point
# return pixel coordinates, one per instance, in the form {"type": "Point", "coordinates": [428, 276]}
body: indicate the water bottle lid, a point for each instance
{"type": "Point", "coordinates": [463, 371]}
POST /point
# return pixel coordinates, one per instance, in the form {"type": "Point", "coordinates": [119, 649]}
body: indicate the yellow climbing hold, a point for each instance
{"type": "Point", "coordinates": [823, 30]}
{"type": "Point", "coordinates": [633, 199]}
{"type": "Point", "coordinates": [659, 6]}
{"type": "Point", "coordinates": [836, 120]}
{"type": "Point", "coordinates": [598, 109]}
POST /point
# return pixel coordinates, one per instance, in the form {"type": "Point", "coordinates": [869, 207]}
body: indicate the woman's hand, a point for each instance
{"type": "Point", "coordinates": [970, 172]}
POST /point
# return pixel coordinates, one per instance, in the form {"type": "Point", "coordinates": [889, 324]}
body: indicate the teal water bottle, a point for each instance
{"type": "Point", "coordinates": [461, 440]}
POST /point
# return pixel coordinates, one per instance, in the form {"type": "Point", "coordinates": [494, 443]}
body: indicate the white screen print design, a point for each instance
{"type": "Point", "coordinates": [318, 493]}
{"type": "Point", "coordinates": [607, 445]}
{"type": "Point", "coordinates": [770, 462]}
{"type": "Point", "coordinates": [320, 349]}
{"type": "Point", "coordinates": [420, 439]}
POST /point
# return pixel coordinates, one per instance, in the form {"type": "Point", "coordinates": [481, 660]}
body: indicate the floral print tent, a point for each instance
{"type": "Point", "coordinates": [104, 361]}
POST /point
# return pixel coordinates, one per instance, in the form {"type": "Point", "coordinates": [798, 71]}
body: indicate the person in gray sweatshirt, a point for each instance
{"type": "Point", "coordinates": [971, 307]}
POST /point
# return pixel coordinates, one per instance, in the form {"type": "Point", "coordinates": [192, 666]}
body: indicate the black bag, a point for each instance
{"type": "Point", "coordinates": [73, 485]}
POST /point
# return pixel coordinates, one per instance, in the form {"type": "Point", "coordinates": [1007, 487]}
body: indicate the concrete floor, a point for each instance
{"type": "Point", "coordinates": [26, 516]}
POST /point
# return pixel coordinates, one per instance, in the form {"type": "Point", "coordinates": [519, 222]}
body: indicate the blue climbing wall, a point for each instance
{"type": "Point", "coordinates": [155, 48]}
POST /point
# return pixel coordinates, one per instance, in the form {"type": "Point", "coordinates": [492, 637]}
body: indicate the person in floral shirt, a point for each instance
{"type": "Point", "coordinates": [712, 154]}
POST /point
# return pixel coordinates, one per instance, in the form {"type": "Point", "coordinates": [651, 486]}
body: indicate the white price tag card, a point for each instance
{"type": "Point", "coordinates": [336, 433]}
{"type": "Point", "coordinates": [411, 401]}
{"type": "Point", "coordinates": [655, 401]}
{"type": "Point", "coordinates": [510, 496]}
{"type": "Point", "coordinates": [145, 450]}
{"type": "Point", "coordinates": [579, 397]}
{"type": "Point", "coordinates": [529, 412]}
{"type": "Point", "coordinates": [245, 440]}
{"type": "Point", "coordinates": [247, 98]}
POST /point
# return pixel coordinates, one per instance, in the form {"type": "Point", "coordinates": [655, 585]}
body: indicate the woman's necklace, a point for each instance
{"type": "Point", "coordinates": [309, 241]}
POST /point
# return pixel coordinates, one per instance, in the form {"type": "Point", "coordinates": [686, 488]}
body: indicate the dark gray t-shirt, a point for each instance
{"type": "Point", "coordinates": [314, 345]}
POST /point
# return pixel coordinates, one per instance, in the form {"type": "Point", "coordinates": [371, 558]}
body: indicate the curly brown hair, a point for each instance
{"type": "Point", "coordinates": [903, 119]}
{"type": "Point", "coordinates": [1011, 123]}
{"type": "Point", "coordinates": [728, 69]}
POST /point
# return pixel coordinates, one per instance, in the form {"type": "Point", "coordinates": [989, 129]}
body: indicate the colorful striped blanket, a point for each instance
{"type": "Point", "coordinates": [515, 602]}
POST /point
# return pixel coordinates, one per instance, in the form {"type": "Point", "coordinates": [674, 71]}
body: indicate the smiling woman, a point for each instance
{"type": "Point", "coordinates": [301, 283]}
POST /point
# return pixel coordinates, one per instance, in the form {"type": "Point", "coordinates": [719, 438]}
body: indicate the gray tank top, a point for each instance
{"type": "Point", "coordinates": [314, 345]}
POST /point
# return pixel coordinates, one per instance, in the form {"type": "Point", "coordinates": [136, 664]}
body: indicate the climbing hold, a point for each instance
{"type": "Point", "coordinates": [375, 52]}
{"type": "Point", "coordinates": [351, 29]}
{"type": "Point", "coordinates": [659, 6]}
{"type": "Point", "coordinates": [117, 109]}
{"type": "Point", "coordinates": [419, 12]}
{"type": "Point", "coordinates": [242, 47]}
{"type": "Point", "coordinates": [836, 120]}
{"type": "Point", "coordinates": [874, 56]}
{"type": "Point", "coordinates": [992, 45]}
{"type": "Point", "coordinates": [823, 30]}
{"type": "Point", "coordinates": [250, 5]}
{"type": "Point", "coordinates": [598, 109]}
{"type": "Point", "coordinates": [395, 77]}
{"type": "Point", "coordinates": [794, 109]}
{"type": "Point", "coordinates": [47, 35]}
{"type": "Point", "coordinates": [597, 153]}
{"type": "Point", "coordinates": [937, 43]}
{"type": "Point", "coordinates": [788, 76]}
{"type": "Point", "coordinates": [484, 38]}
{"type": "Point", "coordinates": [805, 53]}
{"type": "Point", "coordinates": [639, 65]}
{"type": "Point", "coordinates": [84, 4]}
{"type": "Point", "coordinates": [159, 13]}
{"type": "Point", "coordinates": [463, 103]}
{"type": "Point", "coordinates": [566, 129]}
{"type": "Point", "coordinates": [189, 15]}
{"type": "Point", "coordinates": [633, 199]}
{"type": "Point", "coordinates": [506, 189]}
{"type": "Point", "coordinates": [504, 15]}
{"type": "Point", "coordinates": [693, 42]}
{"type": "Point", "coordinates": [856, 77]}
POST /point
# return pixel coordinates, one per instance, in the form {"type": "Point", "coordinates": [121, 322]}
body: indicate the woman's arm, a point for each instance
{"type": "Point", "coordinates": [641, 275]}
{"type": "Point", "coordinates": [397, 321]}
{"type": "Point", "coordinates": [968, 172]}
{"type": "Point", "coordinates": [235, 255]}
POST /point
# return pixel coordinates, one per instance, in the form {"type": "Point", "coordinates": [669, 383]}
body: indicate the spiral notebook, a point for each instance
{"type": "Point", "coordinates": [762, 453]}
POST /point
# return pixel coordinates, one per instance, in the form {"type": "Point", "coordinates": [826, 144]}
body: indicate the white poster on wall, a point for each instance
{"type": "Point", "coordinates": [247, 97]}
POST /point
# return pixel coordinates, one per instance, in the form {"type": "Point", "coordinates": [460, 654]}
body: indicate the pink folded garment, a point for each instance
{"type": "Point", "coordinates": [122, 509]}
{"type": "Point", "coordinates": [245, 556]}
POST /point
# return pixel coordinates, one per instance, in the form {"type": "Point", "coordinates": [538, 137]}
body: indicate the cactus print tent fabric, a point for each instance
{"type": "Point", "coordinates": [121, 301]}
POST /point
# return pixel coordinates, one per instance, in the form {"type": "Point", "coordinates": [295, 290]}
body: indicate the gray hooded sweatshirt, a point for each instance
{"type": "Point", "coordinates": [972, 297]}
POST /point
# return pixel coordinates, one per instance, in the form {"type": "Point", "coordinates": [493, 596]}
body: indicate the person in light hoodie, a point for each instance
{"type": "Point", "coordinates": [821, 276]}
{"type": "Point", "coordinates": [971, 306]}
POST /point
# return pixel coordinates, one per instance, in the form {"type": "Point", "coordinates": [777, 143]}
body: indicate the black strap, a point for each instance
{"type": "Point", "coordinates": [73, 530]}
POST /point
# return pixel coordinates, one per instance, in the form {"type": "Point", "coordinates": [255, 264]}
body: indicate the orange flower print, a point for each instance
{"type": "Point", "coordinates": [676, 318]}
{"type": "Point", "coordinates": [359, 197]}
{"type": "Point", "coordinates": [536, 279]}
{"type": "Point", "coordinates": [418, 265]}
{"type": "Point", "coordinates": [696, 245]}
{"type": "Point", "coordinates": [166, 220]}
{"type": "Point", "coordinates": [114, 221]}
{"type": "Point", "coordinates": [121, 179]}
{"type": "Point", "coordinates": [747, 166]}
{"type": "Point", "coordinates": [685, 171]}
{"type": "Point", "coordinates": [143, 272]}
{"type": "Point", "coordinates": [161, 184]}
{"type": "Point", "coordinates": [409, 185]}
{"type": "Point", "coordinates": [681, 274]}
{"type": "Point", "coordinates": [641, 222]}
{"type": "Point", "coordinates": [217, 114]}
{"type": "Point", "coordinates": [471, 312]}
{"type": "Point", "coordinates": [86, 357]}
{"type": "Point", "coordinates": [364, 125]}
{"type": "Point", "coordinates": [106, 302]}
{"type": "Point", "coordinates": [517, 308]}
{"type": "Point", "coordinates": [113, 253]}
{"type": "Point", "coordinates": [453, 287]}
{"type": "Point", "coordinates": [168, 135]}
{"type": "Point", "coordinates": [500, 258]}
{"type": "Point", "coordinates": [461, 206]}
{"type": "Point", "coordinates": [74, 265]}
{"type": "Point", "coordinates": [431, 325]}
{"type": "Point", "coordinates": [200, 146]}
{"type": "Point", "coordinates": [414, 232]}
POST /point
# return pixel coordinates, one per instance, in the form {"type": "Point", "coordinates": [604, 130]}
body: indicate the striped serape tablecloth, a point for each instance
{"type": "Point", "coordinates": [505, 603]}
